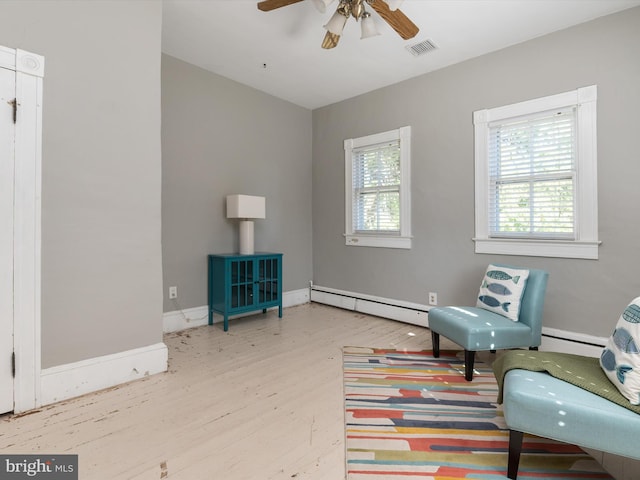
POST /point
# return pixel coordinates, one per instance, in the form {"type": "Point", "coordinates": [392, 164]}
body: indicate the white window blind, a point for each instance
{"type": "Point", "coordinates": [536, 177]}
{"type": "Point", "coordinates": [376, 188]}
{"type": "Point", "coordinates": [532, 176]}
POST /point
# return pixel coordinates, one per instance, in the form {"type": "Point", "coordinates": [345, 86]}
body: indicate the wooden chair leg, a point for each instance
{"type": "Point", "coordinates": [469, 358]}
{"type": "Point", "coordinates": [515, 449]}
{"type": "Point", "coordinates": [435, 342]}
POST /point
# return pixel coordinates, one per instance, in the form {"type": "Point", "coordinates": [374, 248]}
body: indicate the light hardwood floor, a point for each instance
{"type": "Point", "coordinates": [261, 401]}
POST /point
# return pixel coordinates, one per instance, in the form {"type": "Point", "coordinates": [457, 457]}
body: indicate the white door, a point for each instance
{"type": "Point", "coordinates": [7, 134]}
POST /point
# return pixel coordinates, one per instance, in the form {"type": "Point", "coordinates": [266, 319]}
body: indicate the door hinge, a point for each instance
{"type": "Point", "coordinates": [13, 364]}
{"type": "Point", "coordinates": [14, 105]}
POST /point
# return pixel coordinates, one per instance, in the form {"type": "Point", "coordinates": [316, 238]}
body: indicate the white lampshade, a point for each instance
{"type": "Point", "coordinates": [368, 26]}
{"type": "Point", "coordinates": [246, 206]}
{"type": "Point", "coordinates": [336, 23]}
{"type": "Point", "coordinates": [321, 5]}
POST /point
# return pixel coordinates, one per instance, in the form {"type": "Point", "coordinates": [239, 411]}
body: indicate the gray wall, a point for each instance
{"type": "Point", "coordinates": [101, 258]}
{"type": "Point", "coordinates": [218, 138]}
{"type": "Point", "coordinates": [583, 295]}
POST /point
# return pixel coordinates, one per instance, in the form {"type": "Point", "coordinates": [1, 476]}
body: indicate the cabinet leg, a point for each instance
{"type": "Point", "coordinates": [226, 323]}
{"type": "Point", "coordinates": [210, 317]}
{"type": "Point", "coordinates": [280, 311]}
{"type": "Point", "coordinates": [264, 310]}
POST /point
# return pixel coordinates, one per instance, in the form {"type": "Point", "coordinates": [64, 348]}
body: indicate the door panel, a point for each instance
{"type": "Point", "coordinates": [7, 134]}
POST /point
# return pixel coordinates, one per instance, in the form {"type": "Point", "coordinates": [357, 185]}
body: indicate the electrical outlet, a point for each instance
{"type": "Point", "coordinates": [433, 298]}
{"type": "Point", "coordinates": [173, 292]}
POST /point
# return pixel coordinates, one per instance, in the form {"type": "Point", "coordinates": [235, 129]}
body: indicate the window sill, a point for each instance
{"type": "Point", "coordinates": [377, 241]}
{"type": "Point", "coordinates": [538, 248]}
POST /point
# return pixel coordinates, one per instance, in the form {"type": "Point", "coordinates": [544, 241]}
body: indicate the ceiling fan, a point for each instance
{"type": "Point", "coordinates": [388, 10]}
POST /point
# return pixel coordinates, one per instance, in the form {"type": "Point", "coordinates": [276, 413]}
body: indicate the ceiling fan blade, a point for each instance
{"type": "Point", "coordinates": [268, 5]}
{"type": "Point", "coordinates": [330, 40]}
{"type": "Point", "coordinates": [396, 19]}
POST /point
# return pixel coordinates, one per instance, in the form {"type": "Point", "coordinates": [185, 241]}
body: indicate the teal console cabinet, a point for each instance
{"type": "Point", "coordinates": [244, 283]}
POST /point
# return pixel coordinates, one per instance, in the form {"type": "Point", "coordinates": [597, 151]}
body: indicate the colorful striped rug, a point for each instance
{"type": "Point", "coordinates": [409, 415]}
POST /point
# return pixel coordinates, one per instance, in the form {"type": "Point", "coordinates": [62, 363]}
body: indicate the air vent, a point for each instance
{"type": "Point", "coordinates": [421, 48]}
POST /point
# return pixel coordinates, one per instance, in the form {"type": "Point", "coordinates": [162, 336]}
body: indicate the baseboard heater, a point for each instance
{"type": "Point", "coordinates": [572, 342]}
{"type": "Point", "coordinates": [402, 311]}
{"type": "Point", "coordinates": [417, 314]}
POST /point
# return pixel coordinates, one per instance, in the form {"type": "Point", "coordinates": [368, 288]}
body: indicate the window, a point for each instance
{"type": "Point", "coordinates": [536, 177]}
{"type": "Point", "coordinates": [377, 189]}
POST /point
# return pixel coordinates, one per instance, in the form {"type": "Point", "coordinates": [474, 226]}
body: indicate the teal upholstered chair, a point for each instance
{"type": "Point", "coordinates": [476, 329]}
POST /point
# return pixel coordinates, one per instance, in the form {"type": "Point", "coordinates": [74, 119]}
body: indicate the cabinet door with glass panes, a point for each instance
{"type": "Point", "coordinates": [244, 283]}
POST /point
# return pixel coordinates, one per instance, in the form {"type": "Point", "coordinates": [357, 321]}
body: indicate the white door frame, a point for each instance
{"type": "Point", "coordinates": [7, 180]}
{"type": "Point", "coordinates": [29, 70]}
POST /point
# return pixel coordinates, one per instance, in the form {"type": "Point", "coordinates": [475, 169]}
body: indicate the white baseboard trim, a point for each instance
{"type": "Point", "coordinates": [79, 378]}
{"type": "Point", "coordinates": [197, 316]}
{"type": "Point", "coordinates": [183, 319]}
{"type": "Point", "coordinates": [417, 314]}
{"type": "Point", "coordinates": [295, 297]}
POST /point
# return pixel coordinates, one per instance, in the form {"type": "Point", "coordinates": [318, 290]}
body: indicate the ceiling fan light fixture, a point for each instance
{"type": "Point", "coordinates": [387, 10]}
{"type": "Point", "coordinates": [336, 23]}
{"type": "Point", "coordinates": [368, 26]}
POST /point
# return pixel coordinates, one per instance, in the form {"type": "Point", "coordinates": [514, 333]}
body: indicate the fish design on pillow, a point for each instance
{"type": "Point", "coordinates": [632, 313]}
{"type": "Point", "coordinates": [496, 288]}
{"type": "Point", "coordinates": [494, 302]}
{"type": "Point", "coordinates": [625, 341]}
{"type": "Point", "coordinates": [608, 361]}
{"type": "Point", "coordinates": [500, 275]}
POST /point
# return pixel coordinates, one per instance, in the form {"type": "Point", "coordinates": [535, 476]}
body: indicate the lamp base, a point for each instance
{"type": "Point", "coordinates": [246, 237]}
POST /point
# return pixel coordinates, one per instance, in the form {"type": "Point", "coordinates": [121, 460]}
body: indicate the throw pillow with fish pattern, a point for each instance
{"type": "Point", "coordinates": [620, 358]}
{"type": "Point", "coordinates": [501, 290]}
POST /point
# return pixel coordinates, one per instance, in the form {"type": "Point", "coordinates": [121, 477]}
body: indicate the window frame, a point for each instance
{"type": "Point", "coordinates": [378, 239]}
{"type": "Point", "coordinates": [585, 245]}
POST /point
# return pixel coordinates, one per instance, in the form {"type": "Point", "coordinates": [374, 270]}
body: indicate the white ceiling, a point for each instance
{"type": "Point", "coordinates": [279, 52]}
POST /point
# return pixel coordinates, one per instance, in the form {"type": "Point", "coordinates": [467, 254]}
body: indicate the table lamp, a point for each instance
{"type": "Point", "coordinates": [247, 208]}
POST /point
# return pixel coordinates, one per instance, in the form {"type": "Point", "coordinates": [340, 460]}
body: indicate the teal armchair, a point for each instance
{"type": "Point", "coordinates": [476, 329]}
